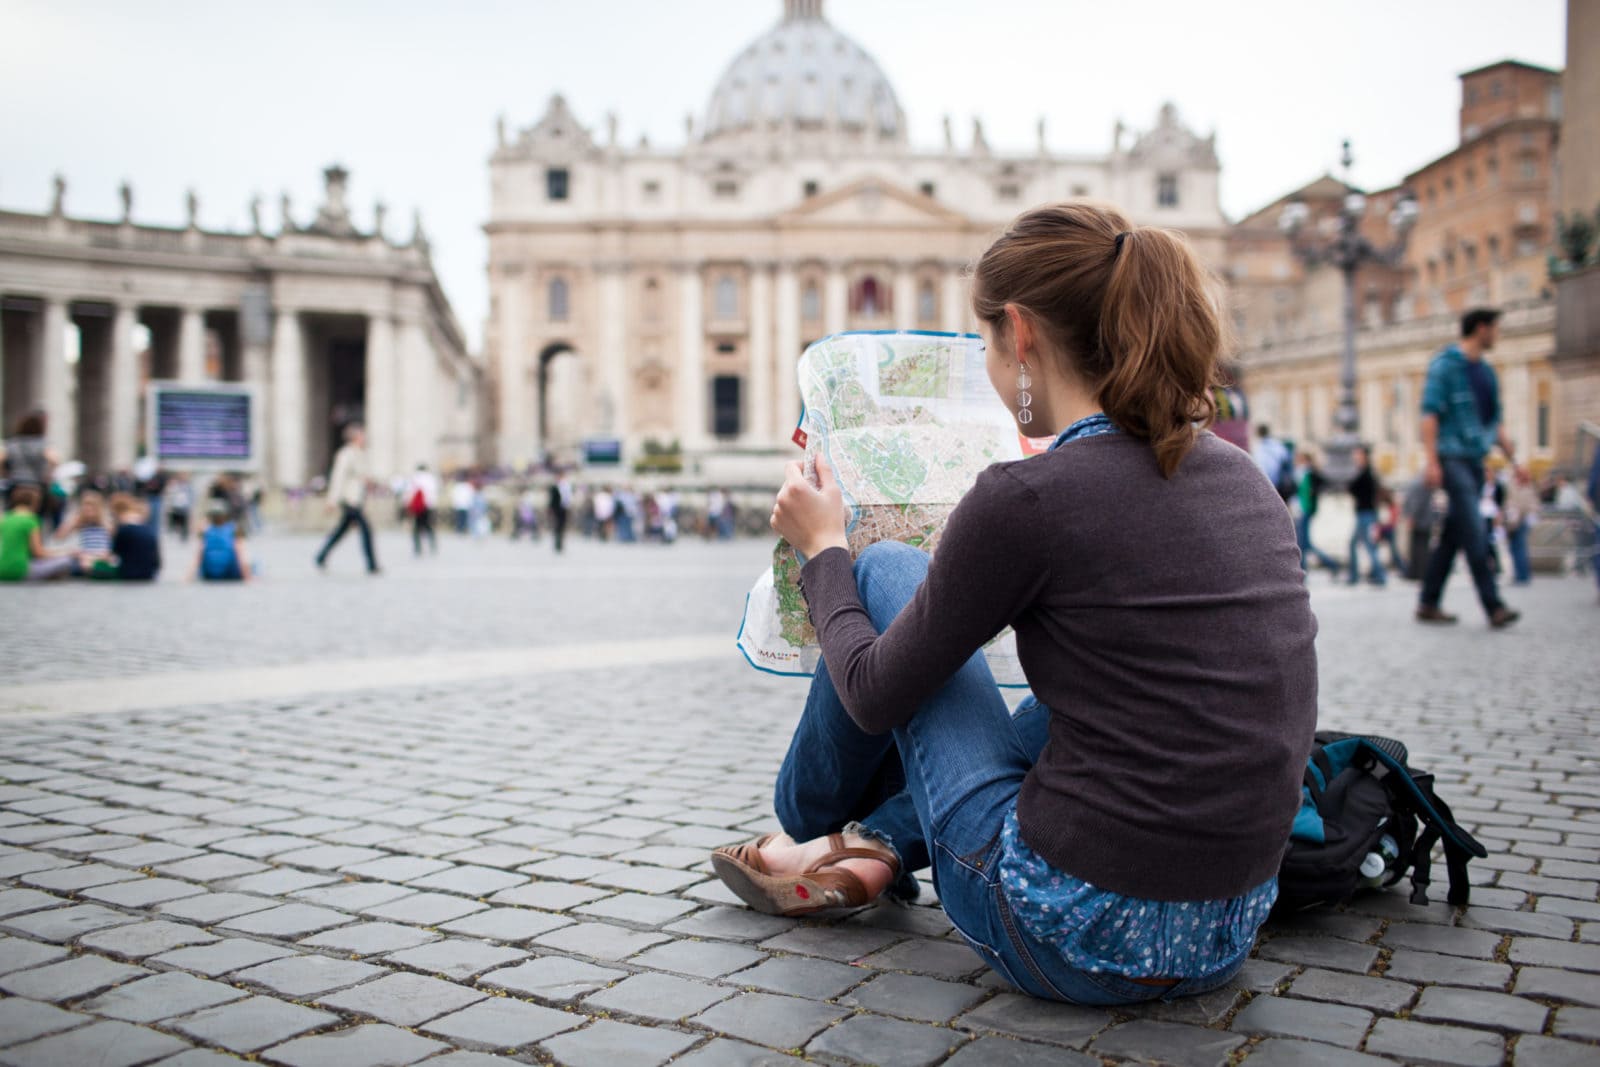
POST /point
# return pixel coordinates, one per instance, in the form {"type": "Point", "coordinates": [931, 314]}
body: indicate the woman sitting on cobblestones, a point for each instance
{"type": "Point", "coordinates": [1118, 839]}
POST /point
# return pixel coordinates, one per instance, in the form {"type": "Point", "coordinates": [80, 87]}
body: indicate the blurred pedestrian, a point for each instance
{"type": "Point", "coordinates": [29, 460]}
{"type": "Point", "coordinates": [605, 512]}
{"type": "Point", "coordinates": [88, 526]}
{"type": "Point", "coordinates": [525, 514]}
{"type": "Point", "coordinates": [180, 499]}
{"type": "Point", "coordinates": [1309, 484]}
{"type": "Point", "coordinates": [460, 502]}
{"type": "Point", "coordinates": [1460, 424]}
{"type": "Point", "coordinates": [1389, 528]}
{"type": "Point", "coordinates": [422, 498]}
{"type": "Point", "coordinates": [1276, 461]}
{"type": "Point", "coordinates": [135, 547]}
{"type": "Point", "coordinates": [560, 504]}
{"type": "Point", "coordinates": [1364, 496]}
{"type": "Point", "coordinates": [23, 555]}
{"type": "Point", "coordinates": [221, 556]}
{"type": "Point", "coordinates": [627, 514]}
{"type": "Point", "coordinates": [347, 491]}
{"type": "Point", "coordinates": [1520, 515]}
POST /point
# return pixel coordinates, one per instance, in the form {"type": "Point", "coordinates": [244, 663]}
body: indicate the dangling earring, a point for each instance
{"type": "Point", "coordinates": [1024, 398]}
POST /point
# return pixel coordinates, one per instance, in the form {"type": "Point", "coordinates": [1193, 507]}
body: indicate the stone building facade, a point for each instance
{"type": "Point", "coordinates": [643, 294]}
{"type": "Point", "coordinates": [330, 324]}
{"type": "Point", "coordinates": [1482, 238]}
{"type": "Point", "coordinates": [1577, 358]}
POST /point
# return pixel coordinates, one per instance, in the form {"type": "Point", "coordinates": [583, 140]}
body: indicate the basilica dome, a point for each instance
{"type": "Point", "coordinates": [804, 76]}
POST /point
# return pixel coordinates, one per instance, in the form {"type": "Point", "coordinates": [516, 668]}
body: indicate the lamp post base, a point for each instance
{"type": "Point", "coordinates": [1338, 459]}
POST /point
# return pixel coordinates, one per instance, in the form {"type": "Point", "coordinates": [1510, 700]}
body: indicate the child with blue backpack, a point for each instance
{"type": "Point", "coordinates": [222, 556]}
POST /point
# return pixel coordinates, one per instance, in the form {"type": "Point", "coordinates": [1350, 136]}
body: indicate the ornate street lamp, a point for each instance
{"type": "Point", "coordinates": [1347, 250]}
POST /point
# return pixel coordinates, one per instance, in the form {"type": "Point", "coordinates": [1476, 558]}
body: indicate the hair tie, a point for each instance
{"type": "Point", "coordinates": [1120, 238]}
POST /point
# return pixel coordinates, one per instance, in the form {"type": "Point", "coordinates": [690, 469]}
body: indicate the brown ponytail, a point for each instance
{"type": "Point", "coordinates": [1135, 316]}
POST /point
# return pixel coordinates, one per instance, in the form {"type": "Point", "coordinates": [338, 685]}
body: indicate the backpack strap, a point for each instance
{"type": "Point", "coordinates": [1456, 854]}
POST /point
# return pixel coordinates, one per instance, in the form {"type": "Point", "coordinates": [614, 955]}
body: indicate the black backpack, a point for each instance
{"type": "Point", "coordinates": [1360, 798]}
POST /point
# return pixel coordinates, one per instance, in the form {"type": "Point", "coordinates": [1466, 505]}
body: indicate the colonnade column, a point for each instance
{"type": "Point", "coordinates": [788, 316]}
{"type": "Point", "coordinates": [421, 400]}
{"type": "Point", "coordinates": [55, 380]}
{"type": "Point", "coordinates": [691, 358]}
{"type": "Point", "coordinates": [192, 345]}
{"type": "Point", "coordinates": [905, 298]}
{"type": "Point", "coordinates": [954, 303]}
{"type": "Point", "coordinates": [379, 404]}
{"type": "Point", "coordinates": [760, 424]}
{"type": "Point", "coordinates": [612, 404]}
{"type": "Point", "coordinates": [123, 409]}
{"type": "Point", "coordinates": [836, 299]}
{"type": "Point", "coordinates": [517, 412]}
{"type": "Point", "coordinates": [289, 431]}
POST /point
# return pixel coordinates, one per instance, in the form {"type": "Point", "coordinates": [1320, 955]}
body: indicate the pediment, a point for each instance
{"type": "Point", "coordinates": [871, 202]}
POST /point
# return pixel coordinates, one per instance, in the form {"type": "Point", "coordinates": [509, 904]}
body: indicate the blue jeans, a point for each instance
{"type": "Point", "coordinates": [1302, 536]}
{"type": "Point", "coordinates": [1463, 531]}
{"type": "Point", "coordinates": [1521, 563]}
{"type": "Point", "coordinates": [937, 790]}
{"type": "Point", "coordinates": [1365, 536]}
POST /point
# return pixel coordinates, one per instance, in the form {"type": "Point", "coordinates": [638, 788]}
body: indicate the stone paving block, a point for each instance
{"type": "Point", "coordinates": [570, 868]}
{"type": "Point", "coordinates": [1036, 1020]}
{"type": "Point", "coordinates": [606, 1044]}
{"type": "Point", "coordinates": [1535, 1051]}
{"type": "Point", "coordinates": [40, 833]}
{"type": "Point", "coordinates": [507, 924]}
{"type": "Point", "coordinates": [87, 843]}
{"type": "Point", "coordinates": [425, 909]}
{"type": "Point", "coordinates": [1558, 985]}
{"type": "Point", "coordinates": [1207, 1009]}
{"type": "Point", "coordinates": [1472, 1007]}
{"type": "Point", "coordinates": [430, 845]}
{"type": "Point", "coordinates": [1581, 1023]}
{"type": "Point", "coordinates": [665, 856]}
{"type": "Point", "coordinates": [734, 924]}
{"type": "Point", "coordinates": [944, 959]}
{"type": "Point", "coordinates": [215, 907]}
{"type": "Point", "coordinates": [280, 881]}
{"type": "Point", "coordinates": [1348, 926]}
{"type": "Point", "coordinates": [770, 1019]}
{"type": "Point", "coordinates": [15, 902]}
{"type": "Point", "coordinates": [353, 896]}
{"type": "Point", "coordinates": [648, 879]}
{"type": "Point", "coordinates": [287, 921]}
{"type": "Point", "coordinates": [845, 944]}
{"type": "Point", "coordinates": [886, 1042]}
{"type": "Point", "coordinates": [308, 975]}
{"type": "Point", "coordinates": [462, 826]}
{"type": "Point", "coordinates": [1449, 940]}
{"type": "Point", "coordinates": [60, 925]}
{"type": "Point", "coordinates": [1333, 1024]}
{"type": "Point", "coordinates": [145, 939]}
{"type": "Point", "coordinates": [637, 908]}
{"type": "Point", "coordinates": [75, 879]}
{"type": "Point", "coordinates": [17, 954]}
{"type": "Point", "coordinates": [23, 862]}
{"type": "Point", "coordinates": [211, 867]}
{"type": "Point", "coordinates": [104, 1044]}
{"type": "Point", "coordinates": [1329, 952]}
{"type": "Point", "coordinates": [327, 857]}
{"type": "Point", "coordinates": [1282, 1052]}
{"type": "Point", "coordinates": [147, 854]}
{"type": "Point", "coordinates": [1541, 952]}
{"type": "Point", "coordinates": [703, 959]}
{"type": "Point", "coordinates": [263, 846]}
{"type": "Point", "coordinates": [23, 1020]}
{"type": "Point", "coordinates": [912, 996]}
{"type": "Point", "coordinates": [657, 996]}
{"type": "Point", "coordinates": [994, 1051]}
{"type": "Point", "coordinates": [801, 976]}
{"type": "Point", "coordinates": [456, 958]}
{"type": "Point", "coordinates": [1430, 968]}
{"type": "Point", "coordinates": [601, 941]}
{"type": "Point", "coordinates": [1337, 987]}
{"type": "Point", "coordinates": [1425, 1043]}
{"type": "Point", "coordinates": [550, 896]}
{"type": "Point", "coordinates": [403, 999]}
{"type": "Point", "coordinates": [1151, 1041]}
{"type": "Point", "coordinates": [69, 979]}
{"type": "Point", "coordinates": [363, 835]}
{"type": "Point", "coordinates": [371, 1045]}
{"type": "Point", "coordinates": [161, 996]}
{"type": "Point", "coordinates": [371, 938]}
{"type": "Point", "coordinates": [502, 1023]}
{"type": "Point", "coordinates": [252, 1024]}
{"type": "Point", "coordinates": [554, 978]}
{"type": "Point", "coordinates": [200, 1057]}
{"type": "Point", "coordinates": [229, 954]}
{"type": "Point", "coordinates": [398, 868]}
{"type": "Point", "coordinates": [498, 856]}
{"type": "Point", "coordinates": [1526, 923]}
{"type": "Point", "coordinates": [143, 892]}
{"type": "Point", "coordinates": [723, 1052]}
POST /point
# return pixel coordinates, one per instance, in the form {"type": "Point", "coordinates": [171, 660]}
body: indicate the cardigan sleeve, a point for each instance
{"type": "Point", "coordinates": [986, 572]}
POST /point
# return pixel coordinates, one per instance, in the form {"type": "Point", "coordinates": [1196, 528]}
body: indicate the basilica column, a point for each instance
{"type": "Point", "coordinates": [192, 345]}
{"type": "Point", "coordinates": [55, 377]}
{"type": "Point", "coordinates": [905, 298]}
{"type": "Point", "coordinates": [517, 386]}
{"type": "Point", "coordinates": [691, 358]}
{"type": "Point", "coordinates": [954, 310]}
{"type": "Point", "coordinates": [836, 299]}
{"type": "Point", "coordinates": [123, 379]}
{"type": "Point", "coordinates": [379, 404]}
{"type": "Point", "coordinates": [425, 395]}
{"type": "Point", "coordinates": [760, 423]}
{"type": "Point", "coordinates": [611, 406]}
{"type": "Point", "coordinates": [289, 430]}
{"type": "Point", "coordinates": [788, 316]}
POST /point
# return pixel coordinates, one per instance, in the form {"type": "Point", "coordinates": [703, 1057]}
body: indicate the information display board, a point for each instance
{"type": "Point", "coordinates": [203, 426]}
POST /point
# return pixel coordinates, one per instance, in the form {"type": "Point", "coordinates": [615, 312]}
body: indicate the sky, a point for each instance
{"type": "Point", "coordinates": [235, 98]}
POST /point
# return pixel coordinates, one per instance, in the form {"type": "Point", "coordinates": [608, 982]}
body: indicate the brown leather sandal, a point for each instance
{"type": "Point", "coordinates": [816, 889]}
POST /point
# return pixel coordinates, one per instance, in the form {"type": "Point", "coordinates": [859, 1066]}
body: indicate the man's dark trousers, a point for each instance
{"type": "Point", "coordinates": [1463, 530]}
{"type": "Point", "coordinates": [351, 516]}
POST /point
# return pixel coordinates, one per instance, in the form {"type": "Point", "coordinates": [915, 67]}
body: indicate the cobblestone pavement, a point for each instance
{"type": "Point", "coordinates": [295, 859]}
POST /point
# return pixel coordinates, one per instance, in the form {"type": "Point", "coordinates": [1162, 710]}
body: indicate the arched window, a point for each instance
{"type": "Point", "coordinates": [559, 302]}
{"type": "Point", "coordinates": [927, 304]}
{"type": "Point", "coordinates": [869, 298]}
{"type": "Point", "coordinates": [726, 302]}
{"type": "Point", "coordinates": [810, 303]}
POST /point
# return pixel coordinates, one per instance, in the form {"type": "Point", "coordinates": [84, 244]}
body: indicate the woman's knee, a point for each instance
{"type": "Point", "coordinates": [887, 574]}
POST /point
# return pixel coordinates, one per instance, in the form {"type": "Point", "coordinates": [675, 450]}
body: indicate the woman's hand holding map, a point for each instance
{"type": "Point", "coordinates": [810, 517]}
